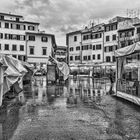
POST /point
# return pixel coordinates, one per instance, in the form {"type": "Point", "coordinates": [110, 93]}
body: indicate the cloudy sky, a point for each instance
{"type": "Point", "coordinates": [62, 16]}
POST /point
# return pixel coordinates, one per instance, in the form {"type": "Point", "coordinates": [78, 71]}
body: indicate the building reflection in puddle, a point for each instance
{"type": "Point", "coordinates": [78, 91]}
{"type": "Point", "coordinates": [86, 90]}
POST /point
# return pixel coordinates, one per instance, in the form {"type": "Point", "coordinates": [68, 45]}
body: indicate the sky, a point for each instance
{"type": "Point", "coordinates": [59, 17]}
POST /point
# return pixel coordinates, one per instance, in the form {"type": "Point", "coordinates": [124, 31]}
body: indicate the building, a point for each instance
{"type": "Point", "coordinates": [39, 47]}
{"type": "Point", "coordinates": [92, 44]}
{"type": "Point", "coordinates": [73, 41]}
{"type": "Point", "coordinates": [117, 31]}
{"type": "Point", "coordinates": [17, 35]}
{"type": "Point", "coordinates": [61, 54]}
{"type": "Point", "coordinates": [97, 43]}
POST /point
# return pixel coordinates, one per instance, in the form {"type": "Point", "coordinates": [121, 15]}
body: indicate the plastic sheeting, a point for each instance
{"type": "Point", "coordinates": [12, 71]}
{"type": "Point", "coordinates": [62, 66]}
{"type": "Point", "coordinates": [128, 50]}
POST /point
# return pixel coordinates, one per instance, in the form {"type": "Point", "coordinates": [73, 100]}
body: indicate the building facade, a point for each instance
{"type": "Point", "coordinates": [98, 43]}
{"type": "Point", "coordinates": [73, 41]}
{"type": "Point", "coordinates": [17, 35]}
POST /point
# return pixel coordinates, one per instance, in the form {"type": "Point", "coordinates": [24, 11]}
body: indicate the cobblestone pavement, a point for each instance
{"type": "Point", "coordinates": [80, 110]}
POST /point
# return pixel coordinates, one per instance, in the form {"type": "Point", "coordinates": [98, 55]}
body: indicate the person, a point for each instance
{"type": "Point", "coordinates": [112, 80]}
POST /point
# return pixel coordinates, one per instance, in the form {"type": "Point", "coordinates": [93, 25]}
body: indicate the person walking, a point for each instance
{"type": "Point", "coordinates": [112, 80]}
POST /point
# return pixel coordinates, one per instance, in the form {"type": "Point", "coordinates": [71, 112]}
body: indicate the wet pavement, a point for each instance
{"type": "Point", "coordinates": [79, 110]}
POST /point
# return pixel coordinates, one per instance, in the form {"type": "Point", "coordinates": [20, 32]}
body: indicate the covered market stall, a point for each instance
{"type": "Point", "coordinates": [128, 73]}
{"type": "Point", "coordinates": [12, 72]}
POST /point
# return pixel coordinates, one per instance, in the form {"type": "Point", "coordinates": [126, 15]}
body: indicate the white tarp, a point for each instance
{"type": "Point", "coordinates": [12, 72]}
{"type": "Point", "coordinates": [62, 66]}
{"type": "Point", "coordinates": [128, 50]}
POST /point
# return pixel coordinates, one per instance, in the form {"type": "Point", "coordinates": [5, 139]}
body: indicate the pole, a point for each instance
{"type": "Point", "coordinates": [1, 84]}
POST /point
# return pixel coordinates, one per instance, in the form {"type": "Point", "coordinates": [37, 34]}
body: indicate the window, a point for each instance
{"type": "Point", "coordinates": [6, 36]}
{"type": "Point", "coordinates": [115, 27]}
{"type": "Point", "coordinates": [20, 57]}
{"type": "Point", "coordinates": [138, 30]}
{"type": "Point", "coordinates": [1, 35]}
{"type": "Point", "coordinates": [113, 58]}
{"type": "Point", "coordinates": [31, 38]}
{"type": "Point", "coordinates": [21, 47]}
{"type": "Point", "coordinates": [14, 37]}
{"type": "Point", "coordinates": [114, 37]}
{"type": "Point", "coordinates": [90, 47]}
{"type": "Point", "coordinates": [98, 56]}
{"type": "Point", "coordinates": [93, 47]}
{"type": "Point", "coordinates": [1, 17]}
{"type": "Point", "coordinates": [14, 47]}
{"type": "Point", "coordinates": [89, 57]}
{"type": "Point", "coordinates": [107, 28]}
{"type": "Point", "coordinates": [0, 46]}
{"type": "Point", "coordinates": [32, 28]}
{"type": "Point", "coordinates": [77, 57]}
{"type": "Point", "coordinates": [31, 50]}
{"type": "Point", "coordinates": [77, 48]}
{"type": "Point", "coordinates": [71, 58]}
{"type": "Point", "coordinates": [14, 56]}
{"type": "Point", "coordinates": [71, 49]}
{"type": "Point", "coordinates": [98, 47]}
{"type": "Point", "coordinates": [84, 57]}
{"type": "Point", "coordinates": [105, 49]}
{"type": "Point", "coordinates": [44, 51]}
{"type": "Point", "coordinates": [24, 27]}
{"type": "Point", "coordinates": [44, 39]}
{"type": "Point", "coordinates": [108, 59]}
{"type": "Point", "coordinates": [22, 37]}
{"type": "Point", "coordinates": [110, 48]}
{"type": "Point", "coordinates": [18, 26]}
{"type": "Point", "coordinates": [75, 38]}
{"type": "Point", "coordinates": [93, 57]}
{"type": "Point", "coordinates": [6, 47]}
{"type": "Point", "coordinates": [18, 37]}
{"type": "Point", "coordinates": [107, 38]}
{"type": "Point", "coordinates": [17, 19]}
{"type": "Point", "coordinates": [6, 25]}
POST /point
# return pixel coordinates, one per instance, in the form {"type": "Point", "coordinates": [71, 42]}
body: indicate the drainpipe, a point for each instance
{"type": "Point", "coordinates": [81, 49]}
{"type": "Point", "coordinates": [103, 46]}
{"type": "Point", "coordinates": [26, 47]}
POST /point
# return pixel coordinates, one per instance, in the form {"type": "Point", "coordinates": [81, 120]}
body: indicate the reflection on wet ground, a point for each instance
{"type": "Point", "coordinates": [80, 110]}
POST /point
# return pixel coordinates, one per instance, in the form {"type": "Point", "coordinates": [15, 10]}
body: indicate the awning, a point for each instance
{"type": "Point", "coordinates": [128, 50]}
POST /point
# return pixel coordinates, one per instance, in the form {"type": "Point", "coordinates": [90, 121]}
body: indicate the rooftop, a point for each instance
{"type": "Point", "coordinates": [9, 14]}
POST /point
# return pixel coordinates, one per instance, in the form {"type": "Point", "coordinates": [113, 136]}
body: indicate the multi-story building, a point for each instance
{"type": "Point", "coordinates": [61, 54]}
{"type": "Point", "coordinates": [16, 35]}
{"type": "Point", "coordinates": [92, 44]}
{"type": "Point", "coordinates": [98, 43]}
{"type": "Point", "coordinates": [126, 32]}
{"type": "Point", "coordinates": [39, 47]}
{"type": "Point", "coordinates": [86, 46]}
{"type": "Point", "coordinates": [73, 41]}
{"type": "Point", "coordinates": [113, 35]}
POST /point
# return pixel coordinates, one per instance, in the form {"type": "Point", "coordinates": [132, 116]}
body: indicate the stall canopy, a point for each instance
{"type": "Point", "coordinates": [62, 66]}
{"type": "Point", "coordinates": [128, 50]}
{"type": "Point", "coordinates": [11, 73]}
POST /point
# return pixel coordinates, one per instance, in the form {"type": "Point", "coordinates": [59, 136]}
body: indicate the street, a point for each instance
{"type": "Point", "coordinates": [79, 110]}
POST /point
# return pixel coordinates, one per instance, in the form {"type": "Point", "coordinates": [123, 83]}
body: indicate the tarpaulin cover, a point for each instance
{"type": "Point", "coordinates": [62, 66]}
{"type": "Point", "coordinates": [128, 50]}
{"type": "Point", "coordinates": [12, 72]}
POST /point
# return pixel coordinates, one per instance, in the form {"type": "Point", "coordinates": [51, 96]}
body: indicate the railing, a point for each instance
{"type": "Point", "coordinates": [129, 87]}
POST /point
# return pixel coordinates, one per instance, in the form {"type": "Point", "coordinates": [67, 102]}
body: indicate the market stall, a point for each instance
{"type": "Point", "coordinates": [12, 72]}
{"type": "Point", "coordinates": [128, 73]}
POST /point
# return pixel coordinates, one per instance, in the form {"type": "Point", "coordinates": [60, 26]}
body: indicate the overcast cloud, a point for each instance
{"type": "Point", "coordinates": [62, 16]}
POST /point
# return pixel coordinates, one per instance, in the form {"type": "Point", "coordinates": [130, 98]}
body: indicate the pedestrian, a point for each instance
{"type": "Point", "coordinates": [112, 80]}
